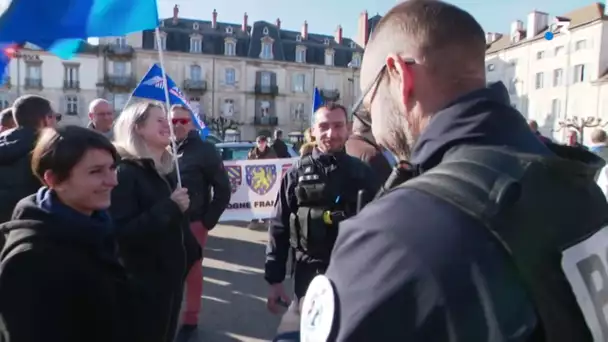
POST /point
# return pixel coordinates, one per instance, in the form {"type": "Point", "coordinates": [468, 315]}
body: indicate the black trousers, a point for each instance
{"type": "Point", "coordinates": [157, 315]}
{"type": "Point", "coordinates": [304, 273]}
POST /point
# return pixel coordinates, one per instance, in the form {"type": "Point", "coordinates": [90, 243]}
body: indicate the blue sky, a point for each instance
{"type": "Point", "coordinates": [323, 16]}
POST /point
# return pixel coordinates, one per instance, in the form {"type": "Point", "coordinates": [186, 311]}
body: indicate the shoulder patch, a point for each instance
{"type": "Point", "coordinates": [318, 311]}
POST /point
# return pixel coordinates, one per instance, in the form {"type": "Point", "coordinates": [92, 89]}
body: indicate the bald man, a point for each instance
{"type": "Point", "coordinates": [494, 239]}
{"type": "Point", "coordinates": [101, 116]}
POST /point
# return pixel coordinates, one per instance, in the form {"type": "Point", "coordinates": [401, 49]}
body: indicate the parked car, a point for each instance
{"type": "Point", "coordinates": [239, 150]}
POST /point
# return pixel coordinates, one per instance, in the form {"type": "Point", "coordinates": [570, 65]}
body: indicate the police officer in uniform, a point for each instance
{"type": "Point", "coordinates": [497, 237]}
{"type": "Point", "coordinates": [316, 194]}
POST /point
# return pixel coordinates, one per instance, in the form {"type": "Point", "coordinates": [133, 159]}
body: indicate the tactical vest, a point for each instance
{"type": "Point", "coordinates": [551, 218]}
{"type": "Point", "coordinates": [322, 204]}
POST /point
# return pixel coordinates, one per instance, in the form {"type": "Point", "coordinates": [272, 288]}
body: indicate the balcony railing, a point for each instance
{"type": "Point", "coordinates": [33, 82]}
{"type": "Point", "coordinates": [266, 89]}
{"type": "Point", "coordinates": [120, 81]}
{"type": "Point", "coordinates": [120, 50]}
{"type": "Point", "coordinates": [266, 120]}
{"type": "Point", "coordinates": [195, 85]}
{"type": "Point", "coordinates": [330, 94]}
{"type": "Point", "coordinates": [71, 84]}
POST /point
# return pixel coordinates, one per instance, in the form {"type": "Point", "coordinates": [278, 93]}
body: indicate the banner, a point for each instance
{"type": "Point", "coordinates": [254, 185]}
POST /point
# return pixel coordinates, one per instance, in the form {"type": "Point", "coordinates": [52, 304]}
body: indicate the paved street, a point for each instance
{"type": "Point", "coordinates": [234, 292]}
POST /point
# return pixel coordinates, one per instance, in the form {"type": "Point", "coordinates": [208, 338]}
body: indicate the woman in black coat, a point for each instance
{"type": "Point", "coordinates": [60, 279]}
{"type": "Point", "coordinates": [154, 239]}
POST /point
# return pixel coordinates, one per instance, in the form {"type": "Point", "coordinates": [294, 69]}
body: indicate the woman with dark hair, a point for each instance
{"type": "Point", "coordinates": [59, 278]}
{"type": "Point", "coordinates": [148, 208]}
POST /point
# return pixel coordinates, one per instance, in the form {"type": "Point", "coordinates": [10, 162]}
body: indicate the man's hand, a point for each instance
{"type": "Point", "coordinates": [275, 295]}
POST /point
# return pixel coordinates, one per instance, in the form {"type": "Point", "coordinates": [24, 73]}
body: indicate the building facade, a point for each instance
{"type": "Point", "coordinates": [553, 80]}
{"type": "Point", "coordinates": [69, 85]}
{"type": "Point", "coordinates": [256, 74]}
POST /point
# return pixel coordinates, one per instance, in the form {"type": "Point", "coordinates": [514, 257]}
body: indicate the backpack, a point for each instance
{"type": "Point", "coordinates": [550, 217]}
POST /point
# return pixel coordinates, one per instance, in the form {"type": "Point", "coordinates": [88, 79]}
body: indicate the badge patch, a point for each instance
{"type": "Point", "coordinates": [318, 311]}
{"type": "Point", "coordinates": [586, 268]}
{"type": "Point", "coordinates": [235, 175]}
{"type": "Point", "coordinates": [261, 178]}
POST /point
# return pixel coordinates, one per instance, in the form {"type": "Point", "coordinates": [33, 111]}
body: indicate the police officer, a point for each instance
{"type": "Point", "coordinates": [318, 192]}
{"type": "Point", "coordinates": [451, 254]}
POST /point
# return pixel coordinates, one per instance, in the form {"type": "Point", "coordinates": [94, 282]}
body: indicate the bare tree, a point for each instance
{"type": "Point", "coordinates": [221, 125]}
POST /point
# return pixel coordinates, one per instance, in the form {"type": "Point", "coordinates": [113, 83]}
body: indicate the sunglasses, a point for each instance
{"type": "Point", "coordinates": [180, 121]}
{"type": "Point", "coordinates": [356, 110]}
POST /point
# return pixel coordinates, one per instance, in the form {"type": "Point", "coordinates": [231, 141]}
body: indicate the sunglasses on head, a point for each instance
{"type": "Point", "coordinates": [357, 110]}
{"type": "Point", "coordinates": [180, 121]}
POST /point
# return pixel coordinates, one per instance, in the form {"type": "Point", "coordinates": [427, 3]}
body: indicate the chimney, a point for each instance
{"type": "Point", "coordinates": [245, 17]}
{"type": "Point", "coordinates": [362, 34]}
{"type": "Point", "coordinates": [278, 23]}
{"type": "Point", "coordinates": [304, 32]}
{"type": "Point", "coordinates": [516, 28]}
{"type": "Point", "coordinates": [338, 35]}
{"type": "Point", "coordinates": [175, 14]}
{"type": "Point", "coordinates": [537, 21]}
{"type": "Point", "coordinates": [214, 20]}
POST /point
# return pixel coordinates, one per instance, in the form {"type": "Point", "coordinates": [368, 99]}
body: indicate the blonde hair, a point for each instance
{"type": "Point", "coordinates": [308, 137]}
{"type": "Point", "coordinates": [129, 142]}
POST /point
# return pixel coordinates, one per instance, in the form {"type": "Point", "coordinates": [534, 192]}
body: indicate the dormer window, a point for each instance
{"type": "Point", "coordinates": [329, 57]}
{"type": "Point", "coordinates": [196, 44]}
{"type": "Point", "coordinates": [230, 47]}
{"type": "Point", "coordinates": [356, 61]}
{"type": "Point", "coordinates": [162, 23]}
{"type": "Point", "coordinates": [298, 38]}
{"type": "Point", "coordinates": [163, 41]}
{"type": "Point", "coordinates": [300, 54]}
{"type": "Point", "coordinates": [353, 45]}
{"type": "Point", "coordinates": [229, 30]}
{"type": "Point", "coordinates": [195, 26]}
{"type": "Point", "coordinates": [266, 51]}
{"type": "Point", "coordinates": [326, 41]}
{"type": "Point", "coordinates": [265, 31]}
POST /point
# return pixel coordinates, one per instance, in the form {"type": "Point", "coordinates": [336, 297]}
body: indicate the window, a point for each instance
{"type": "Point", "coordinates": [229, 48]}
{"type": "Point", "coordinates": [301, 54]}
{"type": "Point", "coordinates": [299, 111]}
{"type": "Point", "coordinates": [580, 45]}
{"type": "Point", "coordinates": [265, 31]}
{"type": "Point", "coordinates": [556, 107]}
{"type": "Point", "coordinates": [229, 30]}
{"type": "Point", "coordinates": [298, 38]}
{"type": "Point", "coordinates": [559, 50]}
{"type": "Point", "coordinates": [299, 83]}
{"type": "Point", "coordinates": [513, 86]}
{"type": "Point", "coordinates": [326, 41]}
{"type": "Point", "coordinates": [70, 76]}
{"type": "Point", "coordinates": [4, 102]}
{"type": "Point", "coordinates": [558, 75]}
{"type": "Point", "coordinates": [353, 45]}
{"type": "Point", "coordinates": [265, 108]}
{"type": "Point", "coordinates": [120, 68]}
{"type": "Point", "coordinates": [329, 58]}
{"type": "Point", "coordinates": [228, 107]}
{"type": "Point", "coordinates": [266, 50]}
{"type": "Point", "coordinates": [579, 73]}
{"type": "Point", "coordinates": [265, 79]}
{"type": "Point", "coordinates": [230, 76]}
{"type": "Point", "coordinates": [196, 45]}
{"type": "Point", "coordinates": [539, 83]}
{"type": "Point", "coordinates": [356, 61]}
{"type": "Point", "coordinates": [120, 101]}
{"type": "Point", "coordinates": [33, 71]}
{"type": "Point", "coordinates": [195, 104]}
{"type": "Point", "coordinates": [196, 73]}
{"type": "Point", "coordinates": [195, 26]}
{"type": "Point", "coordinates": [490, 67]}
{"type": "Point", "coordinates": [121, 41]}
{"type": "Point", "coordinates": [540, 55]}
{"type": "Point", "coordinates": [163, 42]}
{"type": "Point", "coordinates": [71, 105]}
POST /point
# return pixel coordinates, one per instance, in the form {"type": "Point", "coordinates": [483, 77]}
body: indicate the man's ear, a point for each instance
{"type": "Point", "coordinates": [397, 68]}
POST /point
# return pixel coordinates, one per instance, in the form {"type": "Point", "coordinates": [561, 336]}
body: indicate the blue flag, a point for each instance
{"type": "Point", "coordinates": [317, 101]}
{"type": "Point", "coordinates": [59, 25]}
{"type": "Point", "coordinates": [152, 87]}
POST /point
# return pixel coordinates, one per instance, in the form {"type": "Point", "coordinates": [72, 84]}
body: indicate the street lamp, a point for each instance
{"type": "Point", "coordinates": [579, 124]}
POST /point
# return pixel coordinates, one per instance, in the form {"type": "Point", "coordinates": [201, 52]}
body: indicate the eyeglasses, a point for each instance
{"type": "Point", "coordinates": [373, 86]}
{"type": "Point", "coordinates": [180, 121]}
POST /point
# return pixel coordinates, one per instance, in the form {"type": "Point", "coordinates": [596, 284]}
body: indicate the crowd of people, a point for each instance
{"type": "Point", "coordinates": [101, 242]}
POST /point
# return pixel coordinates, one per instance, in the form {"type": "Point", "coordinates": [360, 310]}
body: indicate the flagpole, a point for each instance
{"type": "Point", "coordinates": [166, 87]}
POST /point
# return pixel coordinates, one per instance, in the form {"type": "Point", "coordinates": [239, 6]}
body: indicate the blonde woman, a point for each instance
{"type": "Point", "coordinates": [154, 240]}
